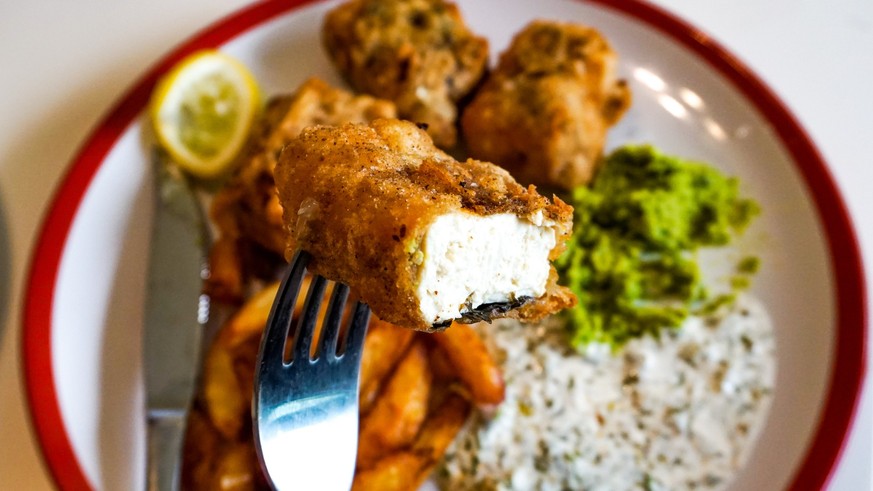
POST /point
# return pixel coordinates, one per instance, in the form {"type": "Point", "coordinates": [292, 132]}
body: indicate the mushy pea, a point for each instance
{"type": "Point", "coordinates": [631, 260]}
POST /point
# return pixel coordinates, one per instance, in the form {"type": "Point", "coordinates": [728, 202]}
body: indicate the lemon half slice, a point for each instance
{"type": "Point", "coordinates": [203, 110]}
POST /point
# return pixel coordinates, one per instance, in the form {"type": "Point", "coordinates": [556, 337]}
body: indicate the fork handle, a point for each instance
{"type": "Point", "coordinates": [165, 433]}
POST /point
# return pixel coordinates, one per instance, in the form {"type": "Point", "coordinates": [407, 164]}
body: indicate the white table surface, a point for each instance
{"type": "Point", "coordinates": [62, 63]}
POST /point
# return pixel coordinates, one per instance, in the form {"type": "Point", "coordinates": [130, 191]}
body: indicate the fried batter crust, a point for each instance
{"type": "Point", "coordinates": [544, 111]}
{"type": "Point", "coordinates": [360, 199]}
{"type": "Point", "coordinates": [248, 205]}
{"type": "Point", "coordinates": [418, 53]}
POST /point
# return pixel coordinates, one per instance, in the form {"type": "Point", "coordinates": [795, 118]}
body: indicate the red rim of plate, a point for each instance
{"type": "Point", "coordinates": [848, 368]}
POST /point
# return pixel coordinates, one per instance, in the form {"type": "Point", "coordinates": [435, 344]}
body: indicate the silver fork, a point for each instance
{"type": "Point", "coordinates": [305, 413]}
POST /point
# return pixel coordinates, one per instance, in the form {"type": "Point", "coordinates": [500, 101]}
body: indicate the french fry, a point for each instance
{"type": "Point", "coordinates": [201, 440]}
{"type": "Point", "coordinates": [236, 468]}
{"type": "Point", "coordinates": [226, 282]}
{"type": "Point", "coordinates": [223, 211]}
{"type": "Point", "coordinates": [410, 422]}
{"type": "Point", "coordinates": [245, 359]}
{"type": "Point", "coordinates": [440, 429]}
{"type": "Point", "coordinates": [251, 316]}
{"type": "Point", "coordinates": [442, 368]}
{"type": "Point", "coordinates": [384, 345]}
{"type": "Point", "coordinates": [397, 472]}
{"type": "Point", "coordinates": [224, 400]}
{"type": "Point", "coordinates": [445, 377]}
{"type": "Point", "coordinates": [469, 356]}
{"type": "Point", "coordinates": [229, 366]}
{"type": "Point", "coordinates": [407, 469]}
{"type": "Point", "coordinates": [400, 409]}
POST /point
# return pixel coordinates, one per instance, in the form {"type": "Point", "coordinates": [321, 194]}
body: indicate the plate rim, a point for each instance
{"type": "Point", "coordinates": [849, 358]}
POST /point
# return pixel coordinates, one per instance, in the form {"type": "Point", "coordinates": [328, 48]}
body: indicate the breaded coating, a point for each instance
{"type": "Point", "coordinates": [360, 200]}
{"type": "Point", "coordinates": [250, 197]}
{"type": "Point", "coordinates": [544, 111]}
{"type": "Point", "coordinates": [247, 207]}
{"type": "Point", "coordinates": [418, 53]}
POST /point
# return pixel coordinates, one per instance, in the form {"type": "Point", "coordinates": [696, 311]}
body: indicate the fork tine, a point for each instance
{"type": "Point", "coordinates": [293, 403]}
{"type": "Point", "coordinates": [357, 330]}
{"type": "Point", "coordinates": [332, 321]}
{"type": "Point", "coordinates": [309, 319]}
{"type": "Point", "coordinates": [279, 321]}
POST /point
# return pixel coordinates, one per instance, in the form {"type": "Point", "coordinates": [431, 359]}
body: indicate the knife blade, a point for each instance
{"type": "Point", "coordinates": [175, 315]}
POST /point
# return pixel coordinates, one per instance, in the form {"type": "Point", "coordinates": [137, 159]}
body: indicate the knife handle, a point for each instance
{"type": "Point", "coordinates": [164, 458]}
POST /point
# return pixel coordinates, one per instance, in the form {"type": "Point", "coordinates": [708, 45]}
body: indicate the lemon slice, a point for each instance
{"type": "Point", "coordinates": [203, 110]}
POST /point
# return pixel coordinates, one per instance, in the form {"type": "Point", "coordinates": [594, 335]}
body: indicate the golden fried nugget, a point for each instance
{"type": "Point", "coordinates": [247, 209]}
{"type": "Point", "coordinates": [418, 53]}
{"type": "Point", "coordinates": [544, 111]}
{"type": "Point", "coordinates": [314, 102]}
{"type": "Point", "coordinates": [422, 238]}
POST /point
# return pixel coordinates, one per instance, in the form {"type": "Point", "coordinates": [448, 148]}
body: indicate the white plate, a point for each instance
{"type": "Point", "coordinates": [82, 321]}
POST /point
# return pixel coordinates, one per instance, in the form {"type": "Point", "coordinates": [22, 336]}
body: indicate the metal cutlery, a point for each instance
{"type": "Point", "coordinates": [305, 412]}
{"type": "Point", "coordinates": [175, 315]}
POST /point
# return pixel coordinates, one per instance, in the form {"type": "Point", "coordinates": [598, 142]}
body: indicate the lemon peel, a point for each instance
{"type": "Point", "coordinates": [203, 110]}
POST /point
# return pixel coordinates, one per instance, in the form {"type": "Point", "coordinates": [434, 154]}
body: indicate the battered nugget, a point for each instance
{"type": "Point", "coordinates": [418, 53]}
{"type": "Point", "coordinates": [544, 111]}
{"type": "Point", "coordinates": [422, 238]}
{"type": "Point", "coordinates": [247, 208]}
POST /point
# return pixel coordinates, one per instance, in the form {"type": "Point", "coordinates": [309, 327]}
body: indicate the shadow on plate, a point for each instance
{"type": "Point", "coordinates": [121, 398]}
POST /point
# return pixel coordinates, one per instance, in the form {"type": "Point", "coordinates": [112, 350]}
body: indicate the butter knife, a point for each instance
{"type": "Point", "coordinates": [175, 316]}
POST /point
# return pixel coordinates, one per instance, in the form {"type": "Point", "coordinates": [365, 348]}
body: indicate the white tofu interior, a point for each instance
{"type": "Point", "coordinates": [470, 260]}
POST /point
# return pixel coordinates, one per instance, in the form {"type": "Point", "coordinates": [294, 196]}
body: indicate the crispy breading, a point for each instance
{"type": "Point", "coordinates": [250, 197]}
{"type": "Point", "coordinates": [544, 111]}
{"type": "Point", "coordinates": [360, 200]}
{"type": "Point", "coordinates": [418, 53]}
{"type": "Point", "coordinates": [247, 207]}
